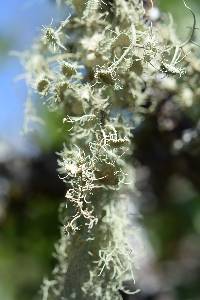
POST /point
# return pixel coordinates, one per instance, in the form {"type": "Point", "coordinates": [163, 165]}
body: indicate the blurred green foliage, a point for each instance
{"type": "Point", "coordinates": [182, 18]}
{"type": "Point", "coordinates": [29, 226]}
{"type": "Point", "coordinates": [4, 46]}
{"type": "Point", "coordinates": [27, 241]}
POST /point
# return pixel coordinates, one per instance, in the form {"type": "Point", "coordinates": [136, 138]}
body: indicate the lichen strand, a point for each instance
{"type": "Point", "coordinates": [101, 67]}
{"type": "Point", "coordinates": [94, 264]}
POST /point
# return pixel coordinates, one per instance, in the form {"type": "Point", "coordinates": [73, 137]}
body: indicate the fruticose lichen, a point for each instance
{"type": "Point", "coordinates": [105, 67]}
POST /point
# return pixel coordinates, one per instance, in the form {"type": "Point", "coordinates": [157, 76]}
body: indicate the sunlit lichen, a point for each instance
{"type": "Point", "coordinates": [115, 58]}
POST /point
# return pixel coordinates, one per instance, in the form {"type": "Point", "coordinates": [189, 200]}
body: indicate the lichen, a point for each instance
{"type": "Point", "coordinates": [100, 67]}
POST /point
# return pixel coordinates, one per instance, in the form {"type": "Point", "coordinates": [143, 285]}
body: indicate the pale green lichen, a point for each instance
{"type": "Point", "coordinates": [99, 68]}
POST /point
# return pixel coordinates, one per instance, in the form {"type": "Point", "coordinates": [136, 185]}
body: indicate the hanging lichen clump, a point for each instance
{"type": "Point", "coordinates": [105, 67]}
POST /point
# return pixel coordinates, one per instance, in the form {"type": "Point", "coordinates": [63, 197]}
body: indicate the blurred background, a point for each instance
{"type": "Point", "coordinates": [30, 190]}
